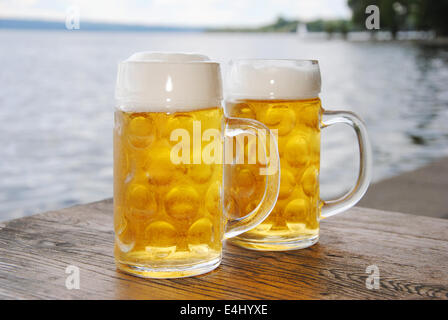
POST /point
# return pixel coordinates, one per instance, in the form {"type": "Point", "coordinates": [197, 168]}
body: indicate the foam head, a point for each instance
{"type": "Point", "coordinates": [273, 79]}
{"type": "Point", "coordinates": [168, 82]}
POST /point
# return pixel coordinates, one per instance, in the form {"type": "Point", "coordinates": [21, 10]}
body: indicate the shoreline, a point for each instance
{"type": "Point", "coordinates": [423, 191]}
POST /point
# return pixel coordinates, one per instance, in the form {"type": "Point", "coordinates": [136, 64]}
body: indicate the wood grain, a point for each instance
{"type": "Point", "coordinates": [411, 253]}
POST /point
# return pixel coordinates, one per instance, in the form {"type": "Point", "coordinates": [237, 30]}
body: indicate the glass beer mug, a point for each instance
{"type": "Point", "coordinates": [169, 215]}
{"type": "Point", "coordinates": [284, 95]}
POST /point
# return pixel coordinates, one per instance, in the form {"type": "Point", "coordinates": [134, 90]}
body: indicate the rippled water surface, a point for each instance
{"type": "Point", "coordinates": [56, 106]}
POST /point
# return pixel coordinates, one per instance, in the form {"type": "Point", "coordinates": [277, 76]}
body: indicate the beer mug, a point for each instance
{"type": "Point", "coordinates": [169, 215]}
{"type": "Point", "coordinates": [284, 95]}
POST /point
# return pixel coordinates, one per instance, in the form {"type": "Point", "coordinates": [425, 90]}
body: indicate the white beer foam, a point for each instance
{"type": "Point", "coordinates": [168, 82]}
{"type": "Point", "coordinates": [273, 79]}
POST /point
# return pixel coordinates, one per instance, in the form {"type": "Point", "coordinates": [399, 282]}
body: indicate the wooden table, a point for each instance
{"type": "Point", "coordinates": [411, 253]}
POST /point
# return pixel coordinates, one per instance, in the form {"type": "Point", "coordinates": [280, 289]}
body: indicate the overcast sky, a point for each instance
{"type": "Point", "coordinates": [178, 12]}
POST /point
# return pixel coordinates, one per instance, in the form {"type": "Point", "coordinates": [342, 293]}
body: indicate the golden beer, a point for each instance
{"type": "Point", "coordinates": [284, 95]}
{"type": "Point", "coordinates": [170, 182]}
{"type": "Point", "coordinates": [165, 214]}
{"type": "Point", "coordinates": [296, 213]}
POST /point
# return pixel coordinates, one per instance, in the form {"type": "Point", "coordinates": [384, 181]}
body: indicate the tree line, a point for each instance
{"type": "Point", "coordinates": [404, 15]}
{"type": "Point", "coordinates": [395, 16]}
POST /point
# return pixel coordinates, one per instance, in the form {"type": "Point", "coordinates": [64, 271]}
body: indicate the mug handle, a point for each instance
{"type": "Point", "coordinates": [233, 128]}
{"type": "Point", "coordinates": [348, 200]}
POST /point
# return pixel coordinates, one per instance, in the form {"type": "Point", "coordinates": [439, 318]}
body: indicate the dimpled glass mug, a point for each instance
{"type": "Point", "coordinates": [169, 215]}
{"type": "Point", "coordinates": [284, 95]}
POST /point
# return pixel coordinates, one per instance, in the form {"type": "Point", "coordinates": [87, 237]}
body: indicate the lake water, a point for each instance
{"type": "Point", "coordinates": [56, 106]}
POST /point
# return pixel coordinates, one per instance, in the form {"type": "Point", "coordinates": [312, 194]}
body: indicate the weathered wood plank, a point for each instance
{"type": "Point", "coordinates": [411, 253]}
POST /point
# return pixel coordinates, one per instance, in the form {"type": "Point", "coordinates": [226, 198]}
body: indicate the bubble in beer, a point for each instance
{"type": "Point", "coordinates": [297, 151]}
{"type": "Point", "coordinates": [213, 198]}
{"type": "Point", "coordinates": [161, 234]}
{"type": "Point", "coordinates": [280, 117]}
{"type": "Point", "coordinates": [179, 121]}
{"type": "Point", "coordinates": [182, 203]}
{"type": "Point", "coordinates": [159, 166]}
{"type": "Point", "coordinates": [309, 181]}
{"type": "Point", "coordinates": [287, 184]}
{"type": "Point", "coordinates": [120, 221]}
{"type": "Point", "coordinates": [141, 126]}
{"type": "Point", "coordinates": [124, 235]}
{"type": "Point", "coordinates": [126, 241]}
{"type": "Point", "coordinates": [246, 183]}
{"type": "Point", "coordinates": [296, 210]}
{"type": "Point", "coordinates": [200, 232]}
{"type": "Point", "coordinates": [138, 196]}
{"type": "Point", "coordinates": [243, 110]}
{"type": "Point", "coordinates": [308, 116]}
{"type": "Point", "coordinates": [141, 132]}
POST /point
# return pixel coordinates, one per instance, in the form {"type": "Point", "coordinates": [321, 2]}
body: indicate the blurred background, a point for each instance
{"type": "Point", "coordinates": [59, 59]}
